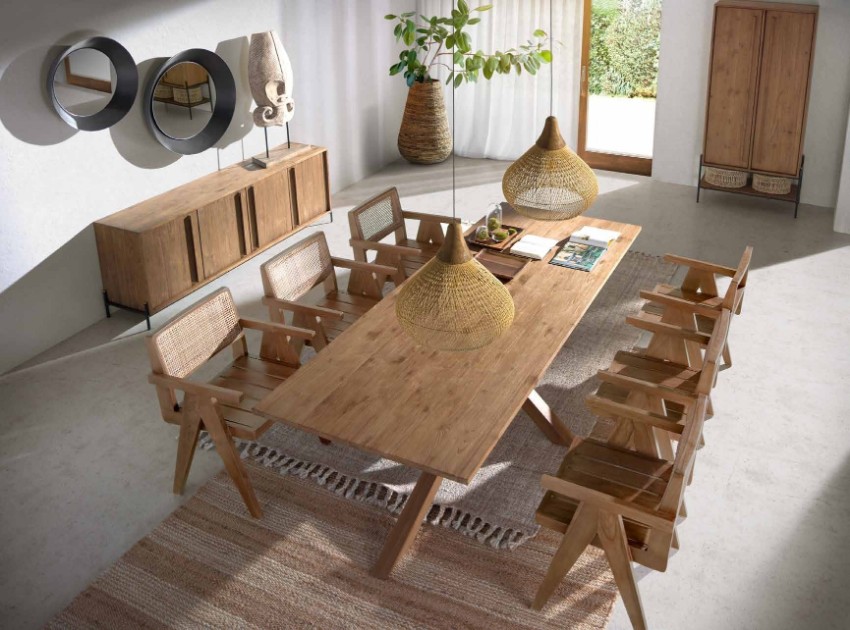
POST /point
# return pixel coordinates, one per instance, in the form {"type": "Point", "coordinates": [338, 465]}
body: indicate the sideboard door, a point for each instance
{"type": "Point", "coordinates": [311, 187]}
{"type": "Point", "coordinates": [222, 234]}
{"type": "Point", "coordinates": [271, 208]}
{"type": "Point", "coordinates": [170, 262]}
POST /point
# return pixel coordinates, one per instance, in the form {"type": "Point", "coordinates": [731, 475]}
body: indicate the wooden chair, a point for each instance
{"type": "Point", "coordinates": [289, 280]}
{"type": "Point", "coordinates": [689, 305]}
{"type": "Point", "coordinates": [381, 216]}
{"type": "Point", "coordinates": [223, 405]}
{"type": "Point", "coordinates": [649, 397]}
{"type": "Point", "coordinates": [625, 502]}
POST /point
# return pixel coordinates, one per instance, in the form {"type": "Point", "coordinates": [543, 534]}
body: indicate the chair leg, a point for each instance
{"type": "Point", "coordinates": [612, 535]}
{"type": "Point", "coordinates": [727, 356]}
{"type": "Point", "coordinates": [578, 536]}
{"type": "Point", "coordinates": [232, 462]}
{"type": "Point", "coordinates": [190, 428]}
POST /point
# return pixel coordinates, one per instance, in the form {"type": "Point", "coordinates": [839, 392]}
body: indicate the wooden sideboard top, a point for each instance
{"type": "Point", "coordinates": [182, 200]}
{"type": "Point", "coordinates": [767, 5]}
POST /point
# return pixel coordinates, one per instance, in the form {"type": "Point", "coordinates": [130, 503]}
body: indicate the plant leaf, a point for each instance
{"type": "Point", "coordinates": [540, 33]}
{"type": "Point", "coordinates": [484, 7]}
{"type": "Point", "coordinates": [546, 55]}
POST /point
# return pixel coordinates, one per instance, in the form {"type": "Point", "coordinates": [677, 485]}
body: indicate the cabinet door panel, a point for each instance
{"type": "Point", "coordinates": [222, 234]}
{"type": "Point", "coordinates": [311, 193]}
{"type": "Point", "coordinates": [733, 86]}
{"type": "Point", "coordinates": [271, 208]}
{"type": "Point", "coordinates": [170, 263]}
{"type": "Point", "coordinates": [783, 91]}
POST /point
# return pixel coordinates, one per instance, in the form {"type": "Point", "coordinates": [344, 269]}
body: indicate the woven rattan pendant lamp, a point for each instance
{"type": "Point", "coordinates": [454, 303]}
{"type": "Point", "coordinates": [549, 182]}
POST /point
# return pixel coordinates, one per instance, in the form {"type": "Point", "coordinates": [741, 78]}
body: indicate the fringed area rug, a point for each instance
{"type": "Point", "coordinates": [305, 565]}
{"type": "Point", "coordinates": [498, 507]}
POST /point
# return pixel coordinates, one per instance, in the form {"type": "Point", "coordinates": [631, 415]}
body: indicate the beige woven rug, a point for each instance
{"type": "Point", "coordinates": [305, 565]}
{"type": "Point", "coordinates": [498, 507]}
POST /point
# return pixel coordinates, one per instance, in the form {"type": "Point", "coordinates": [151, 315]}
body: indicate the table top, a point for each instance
{"type": "Point", "coordinates": [443, 412]}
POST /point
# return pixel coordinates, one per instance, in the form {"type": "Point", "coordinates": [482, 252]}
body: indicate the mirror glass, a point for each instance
{"type": "Point", "coordinates": [183, 100]}
{"type": "Point", "coordinates": [84, 82]}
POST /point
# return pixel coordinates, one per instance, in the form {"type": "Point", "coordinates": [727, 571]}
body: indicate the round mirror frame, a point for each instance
{"type": "Point", "coordinates": [126, 85]}
{"type": "Point", "coordinates": [222, 108]}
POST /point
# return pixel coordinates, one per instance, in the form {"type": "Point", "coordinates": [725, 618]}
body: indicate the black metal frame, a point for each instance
{"type": "Point", "coordinates": [146, 311]}
{"type": "Point", "coordinates": [222, 109]}
{"type": "Point", "coordinates": [795, 201]}
{"type": "Point", "coordinates": [126, 85]}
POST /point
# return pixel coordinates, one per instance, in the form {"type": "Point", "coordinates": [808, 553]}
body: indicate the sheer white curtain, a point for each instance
{"type": "Point", "coordinates": [501, 118]}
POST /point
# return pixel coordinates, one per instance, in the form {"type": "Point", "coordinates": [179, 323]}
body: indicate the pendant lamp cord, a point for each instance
{"type": "Point", "coordinates": [453, 142]}
{"type": "Point", "coordinates": [552, 63]}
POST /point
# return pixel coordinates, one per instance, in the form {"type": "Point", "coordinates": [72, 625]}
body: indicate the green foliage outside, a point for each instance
{"type": "Point", "coordinates": [624, 36]}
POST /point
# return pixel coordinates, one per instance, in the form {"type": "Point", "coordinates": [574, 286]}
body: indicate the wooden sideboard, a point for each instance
{"type": "Point", "coordinates": [162, 249]}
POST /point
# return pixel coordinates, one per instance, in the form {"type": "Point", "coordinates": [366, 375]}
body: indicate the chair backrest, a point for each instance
{"type": "Point", "coordinates": [686, 453]}
{"type": "Point", "coordinates": [735, 293]}
{"type": "Point", "coordinates": [711, 361]}
{"type": "Point", "coordinates": [297, 269]}
{"type": "Point", "coordinates": [194, 336]}
{"type": "Point", "coordinates": [378, 217]}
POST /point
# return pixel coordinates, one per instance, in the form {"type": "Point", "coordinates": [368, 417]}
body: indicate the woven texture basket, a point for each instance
{"type": "Point", "coordinates": [549, 182]}
{"type": "Point", "coordinates": [454, 303]}
{"type": "Point", "coordinates": [771, 185]}
{"type": "Point", "coordinates": [424, 137]}
{"type": "Point", "coordinates": [725, 178]}
{"type": "Point", "coordinates": [187, 97]}
{"type": "Point", "coordinates": [163, 91]}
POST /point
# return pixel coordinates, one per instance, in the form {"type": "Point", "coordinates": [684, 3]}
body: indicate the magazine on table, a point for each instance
{"type": "Point", "coordinates": [585, 248]}
{"type": "Point", "coordinates": [532, 246]}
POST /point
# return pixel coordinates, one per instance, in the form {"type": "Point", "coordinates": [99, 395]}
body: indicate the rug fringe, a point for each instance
{"type": "Point", "coordinates": [376, 493]}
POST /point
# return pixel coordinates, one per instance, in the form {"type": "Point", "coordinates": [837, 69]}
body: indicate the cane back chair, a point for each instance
{"type": "Point", "coordinates": [223, 405]}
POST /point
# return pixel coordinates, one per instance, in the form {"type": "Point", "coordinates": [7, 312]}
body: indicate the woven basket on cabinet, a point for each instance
{"type": "Point", "coordinates": [725, 178]}
{"type": "Point", "coordinates": [771, 185]}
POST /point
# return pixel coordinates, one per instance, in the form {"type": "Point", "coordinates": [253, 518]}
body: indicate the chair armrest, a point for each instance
{"type": "Point", "coordinates": [668, 329]}
{"type": "Point", "coordinates": [644, 387]}
{"type": "Point", "coordinates": [396, 250]}
{"type": "Point", "coordinates": [610, 409]}
{"type": "Point", "coordinates": [701, 265]}
{"type": "Point", "coordinates": [220, 394]}
{"type": "Point", "coordinates": [297, 307]}
{"type": "Point", "coordinates": [272, 327]}
{"type": "Point", "coordinates": [362, 266]}
{"type": "Point", "coordinates": [425, 216]}
{"type": "Point", "coordinates": [693, 307]}
{"type": "Point", "coordinates": [607, 502]}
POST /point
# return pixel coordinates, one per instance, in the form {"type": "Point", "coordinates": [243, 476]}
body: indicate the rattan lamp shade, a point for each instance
{"type": "Point", "coordinates": [550, 182]}
{"type": "Point", "coordinates": [453, 303]}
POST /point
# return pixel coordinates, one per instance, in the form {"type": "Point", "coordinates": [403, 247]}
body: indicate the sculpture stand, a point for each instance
{"type": "Point", "coordinates": [280, 153]}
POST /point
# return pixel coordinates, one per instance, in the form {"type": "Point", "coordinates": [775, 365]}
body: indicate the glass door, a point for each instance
{"type": "Point", "coordinates": [619, 78]}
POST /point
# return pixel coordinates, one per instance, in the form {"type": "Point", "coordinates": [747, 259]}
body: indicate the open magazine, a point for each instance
{"type": "Point", "coordinates": [585, 248]}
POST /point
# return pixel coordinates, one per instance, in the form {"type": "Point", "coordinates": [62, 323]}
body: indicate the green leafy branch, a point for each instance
{"type": "Point", "coordinates": [429, 46]}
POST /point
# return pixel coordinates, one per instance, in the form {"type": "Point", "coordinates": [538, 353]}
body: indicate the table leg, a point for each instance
{"type": "Point", "coordinates": [546, 420]}
{"type": "Point", "coordinates": [402, 535]}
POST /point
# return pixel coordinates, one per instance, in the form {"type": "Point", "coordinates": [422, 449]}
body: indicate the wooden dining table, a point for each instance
{"type": "Point", "coordinates": [442, 413]}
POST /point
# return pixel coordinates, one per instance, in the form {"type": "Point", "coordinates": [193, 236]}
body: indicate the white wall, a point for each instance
{"type": "Point", "coordinates": [54, 182]}
{"type": "Point", "coordinates": [842, 207]}
{"type": "Point", "coordinates": [683, 81]}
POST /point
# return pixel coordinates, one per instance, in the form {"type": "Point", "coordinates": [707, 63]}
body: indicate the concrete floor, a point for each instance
{"type": "Point", "coordinates": [86, 464]}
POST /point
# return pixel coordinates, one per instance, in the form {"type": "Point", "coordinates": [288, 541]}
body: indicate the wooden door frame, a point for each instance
{"type": "Point", "coordinates": [602, 161]}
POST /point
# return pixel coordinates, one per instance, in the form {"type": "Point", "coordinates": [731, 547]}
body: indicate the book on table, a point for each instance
{"type": "Point", "coordinates": [532, 246]}
{"type": "Point", "coordinates": [585, 248]}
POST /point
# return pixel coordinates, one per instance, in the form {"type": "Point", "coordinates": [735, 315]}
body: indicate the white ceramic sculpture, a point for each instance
{"type": "Point", "coordinates": [270, 77]}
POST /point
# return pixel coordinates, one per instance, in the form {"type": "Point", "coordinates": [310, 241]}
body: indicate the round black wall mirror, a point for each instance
{"type": "Point", "coordinates": [93, 83]}
{"type": "Point", "coordinates": [190, 101]}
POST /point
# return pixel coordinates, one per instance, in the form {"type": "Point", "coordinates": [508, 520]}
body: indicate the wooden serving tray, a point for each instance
{"type": "Point", "coordinates": [499, 247]}
{"type": "Point", "coordinates": [503, 266]}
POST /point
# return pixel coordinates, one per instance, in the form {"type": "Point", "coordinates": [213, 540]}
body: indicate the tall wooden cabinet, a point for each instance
{"type": "Point", "coordinates": [158, 251]}
{"type": "Point", "coordinates": [761, 60]}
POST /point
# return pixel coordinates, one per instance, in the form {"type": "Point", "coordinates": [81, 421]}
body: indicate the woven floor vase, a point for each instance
{"type": "Point", "coordinates": [550, 182]}
{"type": "Point", "coordinates": [424, 137]}
{"type": "Point", "coordinates": [454, 303]}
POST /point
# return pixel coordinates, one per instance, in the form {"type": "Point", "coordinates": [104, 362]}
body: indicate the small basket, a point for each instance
{"type": "Point", "coordinates": [771, 185]}
{"type": "Point", "coordinates": [725, 178]}
{"type": "Point", "coordinates": [163, 91]}
{"type": "Point", "coordinates": [187, 97]}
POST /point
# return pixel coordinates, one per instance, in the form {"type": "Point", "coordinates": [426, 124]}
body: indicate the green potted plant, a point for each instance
{"type": "Point", "coordinates": [424, 137]}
